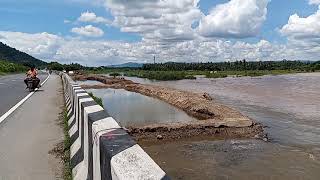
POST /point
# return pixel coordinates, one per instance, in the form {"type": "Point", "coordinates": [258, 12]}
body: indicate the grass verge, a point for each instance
{"type": "Point", "coordinates": [96, 99]}
{"type": "Point", "coordinates": [62, 149]}
{"type": "Point", "coordinates": [67, 171]}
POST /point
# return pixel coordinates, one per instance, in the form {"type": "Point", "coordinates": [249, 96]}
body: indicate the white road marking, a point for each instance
{"type": "Point", "coordinates": [3, 117]}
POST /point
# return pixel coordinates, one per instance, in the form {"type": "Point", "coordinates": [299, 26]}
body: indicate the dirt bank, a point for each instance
{"type": "Point", "coordinates": [215, 120]}
{"type": "Point", "coordinates": [200, 106]}
{"type": "Point", "coordinates": [198, 130]}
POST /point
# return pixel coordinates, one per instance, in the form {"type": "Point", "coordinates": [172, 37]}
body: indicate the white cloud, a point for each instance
{"type": "Point", "coordinates": [165, 27]}
{"type": "Point", "coordinates": [156, 19]}
{"type": "Point", "coordinates": [303, 27]}
{"type": "Point", "coordinates": [303, 33]}
{"type": "Point", "coordinates": [236, 18]}
{"type": "Point", "coordinates": [88, 30]}
{"type": "Point", "coordinates": [92, 17]}
{"type": "Point", "coordinates": [171, 21]}
{"type": "Point", "coordinates": [42, 45]}
{"type": "Point", "coordinates": [314, 2]}
{"type": "Point", "coordinates": [51, 47]}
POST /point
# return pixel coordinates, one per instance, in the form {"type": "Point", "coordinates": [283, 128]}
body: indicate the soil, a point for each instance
{"type": "Point", "coordinates": [214, 118]}
{"type": "Point", "coordinates": [202, 130]}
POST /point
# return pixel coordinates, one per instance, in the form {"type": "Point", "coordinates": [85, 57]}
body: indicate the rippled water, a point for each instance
{"type": "Point", "coordinates": [133, 109]}
{"type": "Point", "coordinates": [289, 105]}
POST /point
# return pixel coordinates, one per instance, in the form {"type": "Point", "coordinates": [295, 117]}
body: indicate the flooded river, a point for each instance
{"type": "Point", "coordinates": [289, 107]}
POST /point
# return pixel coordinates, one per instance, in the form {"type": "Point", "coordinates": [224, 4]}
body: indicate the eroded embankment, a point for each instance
{"type": "Point", "coordinates": [214, 118]}
{"type": "Point", "coordinates": [198, 130]}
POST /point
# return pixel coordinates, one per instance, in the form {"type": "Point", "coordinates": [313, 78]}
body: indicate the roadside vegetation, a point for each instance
{"type": "Point", "coordinates": [67, 171]}
{"type": "Point", "coordinates": [96, 99]}
{"type": "Point", "coordinates": [8, 67]}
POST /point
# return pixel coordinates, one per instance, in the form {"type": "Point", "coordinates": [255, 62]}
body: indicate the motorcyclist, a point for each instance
{"type": "Point", "coordinates": [32, 74]}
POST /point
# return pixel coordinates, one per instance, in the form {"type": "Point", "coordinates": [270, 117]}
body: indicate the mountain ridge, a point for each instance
{"type": "Point", "coordinates": [11, 54]}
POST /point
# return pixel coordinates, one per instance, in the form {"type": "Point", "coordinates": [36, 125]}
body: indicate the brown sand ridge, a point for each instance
{"type": "Point", "coordinates": [211, 114]}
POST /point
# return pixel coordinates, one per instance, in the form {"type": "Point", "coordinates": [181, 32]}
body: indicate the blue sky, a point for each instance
{"type": "Point", "coordinates": [34, 17]}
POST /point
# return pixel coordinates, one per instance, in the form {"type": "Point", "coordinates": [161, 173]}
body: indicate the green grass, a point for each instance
{"type": "Point", "coordinates": [223, 74]}
{"type": "Point", "coordinates": [67, 171]}
{"type": "Point", "coordinates": [96, 99]}
{"type": "Point", "coordinates": [160, 75]}
{"type": "Point", "coordinates": [154, 75]}
{"type": "Point", "coordinates": [114, 74]}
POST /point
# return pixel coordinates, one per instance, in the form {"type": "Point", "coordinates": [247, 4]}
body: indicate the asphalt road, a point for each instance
{"type": "Point", "coordinates": [30, 132]}
{"type": "Point", "coordinates": [13, 89]}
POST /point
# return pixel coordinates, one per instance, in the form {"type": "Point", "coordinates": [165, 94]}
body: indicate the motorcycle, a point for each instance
{"type": "Point", "coordinates": [31, 84]}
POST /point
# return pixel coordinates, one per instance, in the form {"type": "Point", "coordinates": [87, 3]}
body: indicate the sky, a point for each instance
{"type": "Point", "coordinates": [105, 32]}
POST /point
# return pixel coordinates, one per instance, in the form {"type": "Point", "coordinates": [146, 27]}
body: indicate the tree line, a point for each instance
{"type": "Point", "coordinates": [208, 66]}
{"type": "Point", "coordinates": [234, 66]}
{"type": "Point", "coordinates": [68, 67]}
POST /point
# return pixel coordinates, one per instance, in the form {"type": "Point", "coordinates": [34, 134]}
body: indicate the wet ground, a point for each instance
{"type": "Point", "coordinates": [133, 109]}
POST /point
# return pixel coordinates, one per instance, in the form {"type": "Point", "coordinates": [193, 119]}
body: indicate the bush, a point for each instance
{"type": "Point", "coordinates": [216, 75]}
{"type": "Point", "coordinates": [115, 74]}
{"type": "Point", "coordinates": [8, 67]}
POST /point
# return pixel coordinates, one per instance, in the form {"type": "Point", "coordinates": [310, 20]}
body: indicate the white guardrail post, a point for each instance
{"type": "Point", "coordinates": [101, 149]}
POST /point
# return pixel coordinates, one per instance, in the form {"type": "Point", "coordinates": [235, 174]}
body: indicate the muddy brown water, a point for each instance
{"type": "Point", "coordinates": [289, 105]}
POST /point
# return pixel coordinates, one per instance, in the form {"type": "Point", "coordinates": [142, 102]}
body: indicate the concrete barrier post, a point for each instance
{"type": "Point", "coordinates": [101, 149]}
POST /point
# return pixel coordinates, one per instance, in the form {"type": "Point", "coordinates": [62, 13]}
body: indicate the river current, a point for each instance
{"type": "Point", "coordinates": [289, 108]}
{"type": "Point", "coordinates": [287, 105]}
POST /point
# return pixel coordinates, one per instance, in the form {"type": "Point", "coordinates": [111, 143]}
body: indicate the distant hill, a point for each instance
{"type": "Point", "coordinates": [13, 55]}
{"type": "Point", "coordinates": [129, 65]}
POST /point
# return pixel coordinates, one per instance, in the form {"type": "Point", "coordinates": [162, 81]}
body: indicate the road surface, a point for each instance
{"type": "Point", "coordinates": [30, 132]}
{"type": "Point", "coordinates": [12, 90]}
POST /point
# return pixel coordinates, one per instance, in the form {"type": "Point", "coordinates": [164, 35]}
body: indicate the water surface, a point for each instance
{"type": "Point", "coordinates": [133, 109]}
{"type": "Point", "coordinates": [289, 105]}
{"type": "Point", "coordinates": [89, 82]}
